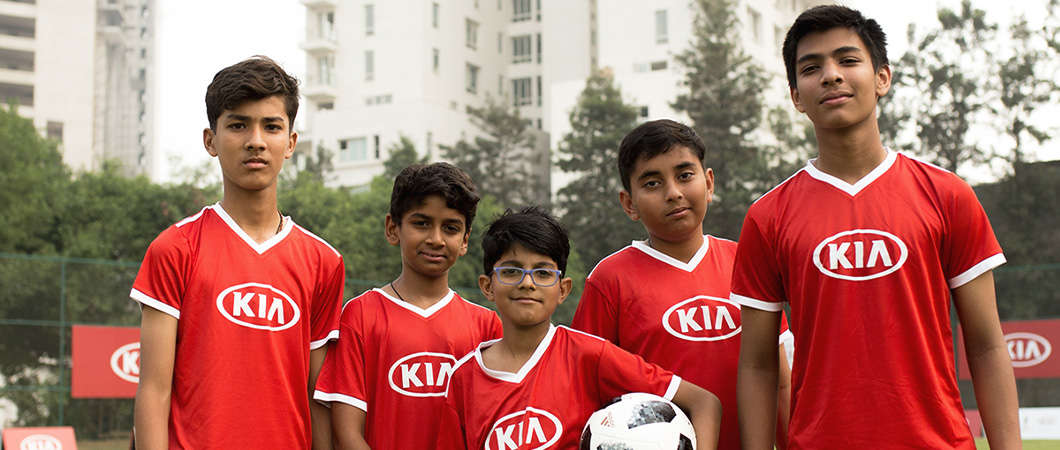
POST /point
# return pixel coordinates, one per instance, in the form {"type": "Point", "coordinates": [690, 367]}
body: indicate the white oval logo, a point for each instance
{"type": "Point", "coordinates": [1027, 349]}
{"type": "Point", "coordinates": [125, 362]}
{"type": "Point", "coordinates": [530, 428]}
{"type": "Point", "coordinates": [422, 374]}
{"type": "Point", "coordinates": [703, 318]}
{"type": "Point", "coordinates": [258, 306]}
{"type": "Point", "coordinates": [40, 442]}
{"type": "Point", "coordinates": [859, 255]}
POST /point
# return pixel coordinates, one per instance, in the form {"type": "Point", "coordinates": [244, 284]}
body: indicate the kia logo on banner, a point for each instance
{"type": "Point", "coordinates": [106, 362]}
{"type": "Point", "coordinates": [45, 438]}
{"type": "Point", "coordinates": [1030, 346]}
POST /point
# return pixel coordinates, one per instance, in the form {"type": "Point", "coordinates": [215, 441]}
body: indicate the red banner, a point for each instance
{"type": "Point", "coordinates": [50, 438]}
{"type": "Point", "coordinates": [106, 362]}
{"type": "Point", "coordinates": [1031, 345]}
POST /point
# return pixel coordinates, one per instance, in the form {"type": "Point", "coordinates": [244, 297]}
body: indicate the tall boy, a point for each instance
{"type": "Point", "coordinates": [536, 386]}
{"type": "Point", "coordinates": [386, 378]}
{"type": "Point", "coordinates": [238, 300]}
{"type": "Point", "coordinates": [666, 299]}
{"type": "Point", "coordinates": [867, 245]}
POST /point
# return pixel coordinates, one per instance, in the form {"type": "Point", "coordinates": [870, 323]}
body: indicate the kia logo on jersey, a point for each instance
{"type": "Point", "coordinates": [859, 255]}
{"type": "Point", "coordinates": [703, 318]}
{"type": "Point", "coordinates": [40, 442]}
{"type": "Point", "coordinates": [531, 428]}
{"type": "Point", "coordinates": [258, 306]}
{"type": "Point", "coordinates": [1027, 349]}
{"type": "Point", "coordinates": [422, 374]}
{"type": "Point", "coordinates": [125, 362]}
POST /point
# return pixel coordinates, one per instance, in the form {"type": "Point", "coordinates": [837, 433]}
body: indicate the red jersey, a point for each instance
{"type": "Point", "coordinates": [544, 405]}
{"type": "Point", "coordinates": [665, 310]}
{"type": "Point", "coordinates": [393, 360]}
{"type": "Point", "coordinates": [867, 269]}
{"type": "Point", "coordinates": [248, 316]}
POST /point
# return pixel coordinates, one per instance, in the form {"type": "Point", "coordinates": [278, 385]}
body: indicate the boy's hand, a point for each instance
{"type": "Point", "coordinates": [704, 410]}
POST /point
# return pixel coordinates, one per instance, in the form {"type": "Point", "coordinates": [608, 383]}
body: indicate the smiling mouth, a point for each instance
{"type": "Point", "coordinates": [526, 300]}
{"type": "Point", "coordinates": [836, 98]}
{"type": "Point", "coordinates": [678, 211]}
{"type": "Point", "coordinates": [255, 162]}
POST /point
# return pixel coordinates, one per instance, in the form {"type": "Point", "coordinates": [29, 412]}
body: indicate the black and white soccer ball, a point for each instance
{"type": "Point", "coordinates": [638, 421]}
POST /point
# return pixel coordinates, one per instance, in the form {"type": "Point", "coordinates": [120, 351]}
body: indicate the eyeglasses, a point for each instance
{"type": "Point", "coordinates": [515, 275]}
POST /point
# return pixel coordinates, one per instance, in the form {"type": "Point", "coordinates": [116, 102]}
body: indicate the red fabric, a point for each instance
{"type": "Point", "coordinates": [653, 305]}
{"type": "Point", "coordinates": [867, 270]}
{"type": "Point", "coordinates": [248, 316]}
{"type": "Point", "coordinates": [546, 404]}
{"type": "Point", "coordinates": [393, 360]}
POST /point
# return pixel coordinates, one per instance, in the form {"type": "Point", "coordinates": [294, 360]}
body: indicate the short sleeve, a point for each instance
{"type": "Point", "coordinates": [327, 306]}
{"type": "Point", "coordinates": [343, 376]}
{"type": "Point", "coordinates": [969, 247]}
{"type": "Point", "coordinates": [756, 279]}
{"type": "Point", "coordinates": [620, 372]}
{"type": "Point", "coordinates": [597, 313]}
{"type": "Point", "coordinates": [161, 280]}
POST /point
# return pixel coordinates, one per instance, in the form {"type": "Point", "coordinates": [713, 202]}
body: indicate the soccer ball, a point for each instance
{"type": "Point", "coordinates": [638, 421]}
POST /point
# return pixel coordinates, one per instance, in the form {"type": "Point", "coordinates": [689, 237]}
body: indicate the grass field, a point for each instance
{"type": "Point", "coordinates": [1027, 445]}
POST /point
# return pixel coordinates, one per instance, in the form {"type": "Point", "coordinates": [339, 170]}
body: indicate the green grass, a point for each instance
{"type": "Point", "coordinates": [109, 444]}
{"type": "Point", "coordinates": [1027, 445]}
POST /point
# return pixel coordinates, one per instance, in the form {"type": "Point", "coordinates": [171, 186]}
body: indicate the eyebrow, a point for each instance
{"type": "Point", "coordinates": [245, 118]}
{"type": "Point", "coordinates": [519, 264]}
{"type": "Point", "coordinates": [818, 56]}
{"type": "Point", "coordinates": [649, 174]}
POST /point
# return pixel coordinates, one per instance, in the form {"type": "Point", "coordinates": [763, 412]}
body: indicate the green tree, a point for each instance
{"type": "Point", "coordinates": [34, 183]}
{"type": "Point", "coordinates": [590, 152]}
{"type": "Point", "coordinates": [1025, 88]}
{"type": "Point", "coordinates": [401, 154]}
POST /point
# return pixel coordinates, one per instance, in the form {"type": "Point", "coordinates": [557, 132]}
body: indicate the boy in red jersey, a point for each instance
{"type": "Point", "coordinates": [867, 246]}
{"type": "Point", "coordinates": [385, 380]}
{"type": "Point", "coordinates": [239, 302]}
{"type": "Point", "coordinates": [666, 299]}
{"type": "Point", "coordinates": [536, 386]}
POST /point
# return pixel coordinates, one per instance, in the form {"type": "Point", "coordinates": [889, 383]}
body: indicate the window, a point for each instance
{"type": "Point", "coordinates": [539, 48]}
{"type": "Point", "coordinates": [326, 25]}
{"type": "Point", "coordinates": [472, 78]}
{"type": "Point", "coordinates": [55, 130]}
{"type": "Point", "coordinates": [538, 10]}
{"type": "Point", "coordinates": [500, 85]}
{"type": "Point", "coordinates": [375, 140]}
{"type": "Point", "coordinates": [756, 24]}
{"type": "Point", "coordinates": [430, 144]}
{"type": "Point", "coordinates": [324, 66]}
{"type": "Point", "coordinates": [644, 112]}
{"type": "Point", "coordinates": [521, 91]}
{"type": "Point", "coordinates": [325, 106]}
{"type": "Point", "coordinates": [353, 149]}
{"type": "Point", "coordinates": [658, 65]}
{"type": "Point", "coordinates": [434, 14]}
{"type": "Point", "coordinates": [539, 92]}
{"type": "Point", "coordinates": [369, 20]}
{"type": "Point", "coordinates": [500, 42]}
{"type": "Point", "coordinates": [476, 4]}
{"type": "Point", "coordinates": [434, 59]}
{"type": "Point", "coordinates": [661, 36]}
{"type": "Point", "coordinates": [472, 33]}
{"type": "Point", "coordinates": [521, 10]}
{"type": "Point", "coordinates": [521, 49]}
{"type": "Point", "coordinates": [369, 65]}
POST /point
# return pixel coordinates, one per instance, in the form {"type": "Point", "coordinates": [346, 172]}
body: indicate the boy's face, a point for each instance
{"type": "Point", "coordinates": [524, 304]}
{"type": "Point", "coordinates": [669, 194]}
{"type": "Point", "coordinates": [836, 85]}
{"type": "Point", "coordinates": [431, 236]}
{"type": "Point", "coordinates": [251, 142]}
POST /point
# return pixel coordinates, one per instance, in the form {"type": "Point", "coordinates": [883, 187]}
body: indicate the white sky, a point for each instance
{"type": "Point", "coordinates": [196, 38]}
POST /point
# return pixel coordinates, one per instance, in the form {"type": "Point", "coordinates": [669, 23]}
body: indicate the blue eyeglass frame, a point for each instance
{"type": "Point", "coordinates": [558, 273]}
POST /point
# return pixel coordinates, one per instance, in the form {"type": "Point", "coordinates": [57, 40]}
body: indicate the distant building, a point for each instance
{"type": "Point", "coordinates": [379, 69]}
{"type": "Point", "coordinates": [82, 71]}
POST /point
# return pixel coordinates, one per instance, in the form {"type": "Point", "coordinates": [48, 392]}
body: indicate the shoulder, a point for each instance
{"type": "Point", "coordinates": [722, 245]}
{"type": "Point", "coordinates": [615, 263]}
{"type": "Point", "coordinates": [579, 338]}
{"type": "Point", "coordinates": [472, 308]}
{"type": "Point", "coordinates": [768, 202]}
{"type": "Point", "coordinates": [939, 177]}
{"type": "Point", "coordinates": [315, 242]}
{"type": "Point", "coordinates": [178, 237]}
{"type": "Point", "coordinates": [357, 305]}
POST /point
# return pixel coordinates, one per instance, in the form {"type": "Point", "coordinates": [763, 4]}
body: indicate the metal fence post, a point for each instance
{"type": "Point", "coordinates": [62, 334]}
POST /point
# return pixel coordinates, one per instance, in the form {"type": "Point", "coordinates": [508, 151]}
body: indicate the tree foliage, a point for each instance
{"type": "Point", "coordinates": [401, 155]}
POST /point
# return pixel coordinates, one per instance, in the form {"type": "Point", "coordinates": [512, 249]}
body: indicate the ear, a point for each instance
{"type": "Point", "coordinates": [565, 286]}
{"type": "Point", "coordinates": [708, 175]}
{"type": "Point", "coordinates": [390, 230]}
{"type": "Point", "coordinates": [626, 200]}
{"type": "Point", "coordinates": [485, 284]}
{"type": "Point", "coordinates": [883, 81]}
{"type": "Point", "coordinates": [464, 240]}
{"type": "Point", "coordinates": [291, 144]}
{"type": "Point", "coordinates": [796, 101]}
{"type": "Point", "coordinates": [207, 141]}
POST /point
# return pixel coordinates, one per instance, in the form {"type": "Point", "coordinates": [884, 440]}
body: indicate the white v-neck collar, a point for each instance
{"type": "Point", "coordinates": [516, 377]}
{"type": "Point", "coordinates": [853, 189]}
{"type": "Point", "coordinates": [428, 312]}
{"type": "Point", "coordinates": [263, 247]}
{"type": "Point", "coordinates": [685, 266]}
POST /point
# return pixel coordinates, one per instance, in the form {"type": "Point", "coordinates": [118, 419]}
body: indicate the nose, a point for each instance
{"type": "Point", "coordinates": [434, 236]}
{"type": "Point", "coordinates": [830, 74]}
{"type": "Point", "coordinates": [256, 139]}
{"type": "Point", "coordinates": [673, 191]}
{"type": "Point", "coordinates": [527, 282]}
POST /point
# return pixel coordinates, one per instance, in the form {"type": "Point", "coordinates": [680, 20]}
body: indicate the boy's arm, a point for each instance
{"type": "Point", "coordinates": [704, 410]}
{"type": "Point", "coordinates": [757, 380]}
{"type": "Point", "coordinates": [319, 416]}
{"type": "Point", "coordinates": [350, 436]}
{"type": "Point", "coordinates": [988, 361]}
{"type": "Point", "coordinates": [158, 340]}
{"type": "Point", "coordinates": [783, 399]}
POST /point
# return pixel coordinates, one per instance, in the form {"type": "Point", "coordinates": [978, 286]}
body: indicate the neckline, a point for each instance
{"type": "Point", "coordinates": [529, 365]}
{"type": "Point", "coordinates": [422, 312]}
{"type": "Point", "coordinates": [663, 257]}
{"type": "Point", "coordinates": [262, 247]}
{"type": "Point", "coordinates": [865, 181]}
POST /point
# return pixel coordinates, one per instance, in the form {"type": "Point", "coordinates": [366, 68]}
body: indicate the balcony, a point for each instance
{"type": "Point", "coordinates": [319, 45]}
{"type": "Point", "coordinates": [318, 90]}
{"type": "Point", "coordinates": [317, 4]}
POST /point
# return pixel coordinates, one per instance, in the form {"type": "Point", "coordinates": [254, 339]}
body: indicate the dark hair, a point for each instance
{"type": "Point", "coordinates": [532, 228]}
{"type": "Point", "coordinates": [826, 17]}
{"type": "Point", "coordinates": [652, 139]}
{"type": "Point", "coordinates": [251, 79]}
{"type": "Point", "coordinates": [417, 182]}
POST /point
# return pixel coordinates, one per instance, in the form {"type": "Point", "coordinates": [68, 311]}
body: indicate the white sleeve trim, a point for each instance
{"type": "Point", "coordinates": [145, 300]}
{"type": "Point", "coordinates": [671, 390]}
{"type": "Point", "coordinates": [976, 270]}
{"type": "Point", "coordinates": [786, 337]}
{"type": "Point", "coordinates": [332, 335]}
{"type": "Point", "coordinates": [755, 303]}
{"type": "Point", "coordinates": [326, 397]}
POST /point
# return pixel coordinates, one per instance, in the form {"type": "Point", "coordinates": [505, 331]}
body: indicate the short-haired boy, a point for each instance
{"type": "Point", "coordinates": [536, 386]}
{"type": "Point", "coordinates": [867, 246]}
{"type": "Point", "coordinates": [238, 301]}
{"type": "Point", "coordinates": [666, 298]}
{"type": "Point", "coordinates": [386, 377]}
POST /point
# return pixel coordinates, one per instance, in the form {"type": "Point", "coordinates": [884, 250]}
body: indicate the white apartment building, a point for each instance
{"type": "Point", "coordinates": [378, 69]}
{"type": "Point", "coordinates": [82, 71]}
